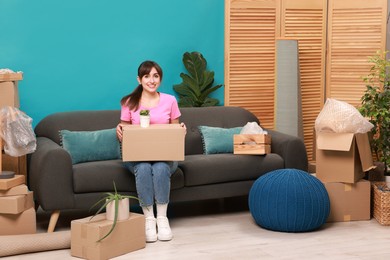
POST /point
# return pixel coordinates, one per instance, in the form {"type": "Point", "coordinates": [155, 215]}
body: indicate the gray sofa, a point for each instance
{"type": "Point", "coordinates": [59, 185]}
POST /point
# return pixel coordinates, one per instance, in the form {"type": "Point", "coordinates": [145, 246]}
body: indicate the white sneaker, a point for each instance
{"type": "Point", "coordinates": [164, 230]}
{"type": "Point", "coordinates": [150, 229]}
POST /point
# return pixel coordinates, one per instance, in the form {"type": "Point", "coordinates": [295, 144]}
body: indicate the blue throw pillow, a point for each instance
{"type": "Point", "coordinates": [86, 146]}
{"type": "Point", "coordinates": [217, 139]}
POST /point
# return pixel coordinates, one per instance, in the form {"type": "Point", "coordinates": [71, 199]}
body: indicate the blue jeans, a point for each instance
{"type": "Point", "coordinates": [152, 180]}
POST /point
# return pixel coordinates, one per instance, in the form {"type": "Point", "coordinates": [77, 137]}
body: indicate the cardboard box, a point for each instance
{"type": "Point", "coordinates": [16, 224]}
{"type": "Point", "coordinates": [6, 184]}
{"type": "Point", "coordinates": [16, 204]}
{"type": "Point", "coordinates": [11, 76]}
{"type": "Point", "coordinates": [342, 157]}
{"type": "Point", "coordinates": [128, 236]}
{"type": "Point", "coordinates": [158, 142]}
{"type": "Point", "coordinates": [349, 201]}
{"type": "Point", "coordinates": [252, 144]}
{"type": "Point", "coordinates": [9, 94]}
{"type": "Point", "coordinates": [17, 190]}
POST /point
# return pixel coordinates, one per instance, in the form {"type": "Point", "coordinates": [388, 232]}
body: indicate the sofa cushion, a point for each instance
{"type": "Point", "coordinates": [87, 146]}
{"type": "Point", "coordinates": [98, 176]}
{"type": "Point", "coordinates": [218, 139]}
{"type": "Point", "coordinates": [218, 168]}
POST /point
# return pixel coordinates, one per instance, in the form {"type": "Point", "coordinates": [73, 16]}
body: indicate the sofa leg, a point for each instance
{"type": "Point", "coordinates": [53, 220]}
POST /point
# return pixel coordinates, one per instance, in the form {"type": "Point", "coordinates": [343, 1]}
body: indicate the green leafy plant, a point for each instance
{"type": "Point", "coordinates": [376, 105]}
{"type": "Point", "coordinates": [110, 197]}
{"type": "Point", "coordinates": [196, 87]}
{"type": "Point", "coordinates": [144, 112]}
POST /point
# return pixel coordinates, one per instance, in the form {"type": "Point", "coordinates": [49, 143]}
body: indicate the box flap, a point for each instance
{"type": "Point", "coordinates": [365, 154]}
{"type": "Point", "coordinates": [334, 141]}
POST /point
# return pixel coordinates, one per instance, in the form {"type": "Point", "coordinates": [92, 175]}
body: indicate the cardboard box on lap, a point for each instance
{"type": "Point", "coordinates": [158, 142]}
{"type": "Point", "coordinates": [128, 236]}
{"type": "Point", "coordinates": [349, 201]}
{"type": "Point", "coordinates": [342, 157]}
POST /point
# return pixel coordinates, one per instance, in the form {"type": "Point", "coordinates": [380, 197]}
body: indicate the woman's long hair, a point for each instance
{"type": "Point", "coordinates": [133, 99]}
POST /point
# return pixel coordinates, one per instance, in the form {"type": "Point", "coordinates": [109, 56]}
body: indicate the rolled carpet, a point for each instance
{"type": "Point", "coordinates": [29, 243]}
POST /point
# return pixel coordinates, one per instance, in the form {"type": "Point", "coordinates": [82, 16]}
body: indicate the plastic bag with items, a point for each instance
{"type": "Point", "coordinates": [16, 131]}
{"type": "Point", "coordinates": [340, 117]}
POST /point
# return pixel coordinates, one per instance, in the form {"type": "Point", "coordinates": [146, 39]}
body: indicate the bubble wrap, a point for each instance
{"type": "Point", "coordinates": [340, 117]}
{"type": "Point", "coordinates": [16, 131]}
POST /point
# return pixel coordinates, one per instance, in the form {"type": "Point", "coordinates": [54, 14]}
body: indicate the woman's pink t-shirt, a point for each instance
{"type": "Point", "coordinates": [166, 110]}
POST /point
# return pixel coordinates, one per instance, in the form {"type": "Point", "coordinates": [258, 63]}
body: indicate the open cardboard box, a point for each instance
{"type": "Point", "coordinates": [158, 142]}
{"type": "Point", "coordinates": [342, 157]}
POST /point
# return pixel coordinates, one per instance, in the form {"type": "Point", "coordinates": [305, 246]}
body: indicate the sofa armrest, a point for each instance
{"type": "Point", "coordinates": [290, 148]}
{"type": "Point", "coordinates": [50, 175]}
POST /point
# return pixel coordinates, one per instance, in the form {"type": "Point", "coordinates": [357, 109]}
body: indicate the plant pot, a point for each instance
{"type": "Point", "coordinates": [123, 209]}
{"type": "Point", "coordinates": [144, 121]}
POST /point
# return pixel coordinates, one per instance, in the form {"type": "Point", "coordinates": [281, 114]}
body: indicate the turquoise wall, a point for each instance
{"type": "Point", "coordinates": [84, 54]}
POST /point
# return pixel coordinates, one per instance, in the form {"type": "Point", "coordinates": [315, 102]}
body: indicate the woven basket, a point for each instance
{"type": "Point", "coordinates": [381, 205]}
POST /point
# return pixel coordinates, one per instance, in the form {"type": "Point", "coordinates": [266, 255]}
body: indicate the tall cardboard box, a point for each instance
{"type": "Point", "coordinates": [158, 142]}
{"type": "Point", "coordinates": [342, 157]}
{"type": "Point", "coordinates": [349, 201]}
{"type": "Point", "coordinates": [128, 236]}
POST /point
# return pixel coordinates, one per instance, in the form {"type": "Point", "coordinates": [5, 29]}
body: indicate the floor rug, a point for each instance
{"type": "Point", "coordinates": [29, 243]}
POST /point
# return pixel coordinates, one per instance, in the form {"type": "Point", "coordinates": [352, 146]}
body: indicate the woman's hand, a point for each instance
{"type": "Point", "coordinates": [184, 126]}
{"type": "Point", "coordinates": [119, 132]}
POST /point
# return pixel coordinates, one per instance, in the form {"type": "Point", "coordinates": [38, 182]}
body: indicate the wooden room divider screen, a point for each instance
{"type": "Point", "coordinates": [335, 39]}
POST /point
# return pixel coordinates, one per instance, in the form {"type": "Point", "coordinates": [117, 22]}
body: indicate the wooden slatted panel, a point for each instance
{"type": "Point", "coordinates": [250, 57]}
{"type": "Point", "coordinates": [306, 21]}
{"type": "Point", "coordinates": [356, 30]}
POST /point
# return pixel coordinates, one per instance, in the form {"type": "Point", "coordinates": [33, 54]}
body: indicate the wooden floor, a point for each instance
{"type": "Point", "coordinates": [224, 229]}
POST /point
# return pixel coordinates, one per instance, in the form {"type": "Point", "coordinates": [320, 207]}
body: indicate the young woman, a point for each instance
{"type": "Point", "coordinates": [152, 178]}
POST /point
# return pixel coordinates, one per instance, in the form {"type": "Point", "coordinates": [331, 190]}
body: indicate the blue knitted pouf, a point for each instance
{"type": "Point", "coordinates": [289, 200]}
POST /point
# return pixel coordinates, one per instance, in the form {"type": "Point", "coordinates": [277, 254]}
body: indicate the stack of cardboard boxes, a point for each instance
{"type": "Point", "coordinates": [17, 212]}
{"type": "Point", "coordinates": [341, 162]}
{"type": "Point", "coordinates": [9, 96]}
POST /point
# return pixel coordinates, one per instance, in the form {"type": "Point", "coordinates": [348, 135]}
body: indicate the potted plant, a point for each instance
{"type": "Point", "coordinates": [117, 208]}
{"type": "Point", "coordinates": [196, 87]}
{"type": "Point", "coordinates": [144, 118]}
{"type": "Point", "coordinates": [376, 107]}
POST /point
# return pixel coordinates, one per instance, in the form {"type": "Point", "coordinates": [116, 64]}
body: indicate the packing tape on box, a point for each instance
{"type": "Point", "coordinates": [348, 186]}
{"type": "Point", "coordinates": [347, 217]}
{"type": "Point", "coordinates": [84, 231]}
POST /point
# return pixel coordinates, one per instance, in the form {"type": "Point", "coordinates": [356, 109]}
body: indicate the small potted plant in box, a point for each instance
{"type": "Point", "coordinates": [376, 107]}
{"type": "Point", "coordinates": [144, 118]}
{"type": "Point", "coordinates": [117, 208]}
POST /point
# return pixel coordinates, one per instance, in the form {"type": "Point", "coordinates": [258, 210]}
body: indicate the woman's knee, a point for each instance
{"type": "Point", "coordinates": [142, 167]}
{"type": "Point", "coordinates": [161, 168]}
